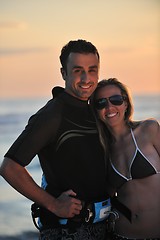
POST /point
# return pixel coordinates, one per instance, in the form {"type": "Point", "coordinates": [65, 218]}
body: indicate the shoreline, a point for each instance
{"type": "Point", "coordinates": [27, 235]}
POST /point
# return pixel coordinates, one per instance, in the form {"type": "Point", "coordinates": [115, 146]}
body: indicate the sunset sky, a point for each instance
{"type": "Point", "coordinates": [32, 33]}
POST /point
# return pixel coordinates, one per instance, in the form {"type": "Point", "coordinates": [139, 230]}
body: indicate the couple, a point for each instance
{"type": "Point", "coordinates": [85, 168]}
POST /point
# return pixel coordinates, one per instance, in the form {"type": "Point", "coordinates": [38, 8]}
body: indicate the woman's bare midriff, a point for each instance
{"type": "Point", "coordinates": [142, 197]}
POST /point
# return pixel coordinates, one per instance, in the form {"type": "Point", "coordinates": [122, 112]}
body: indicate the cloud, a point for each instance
{"type": "Point", "coordinates": [5, 25]}
{"type": "Point", "coordinates": [119, 49]}
{"type": "Point", "coordinates": [20, 51]}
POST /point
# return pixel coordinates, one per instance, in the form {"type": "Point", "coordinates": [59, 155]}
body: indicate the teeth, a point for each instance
{"type": "Point", "coordinates": [111, 114]}
{"type": "Point", "coordinates": [85, 87]}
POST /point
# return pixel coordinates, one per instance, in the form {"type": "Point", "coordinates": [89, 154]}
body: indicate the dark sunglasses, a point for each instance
{"type": "Point", "coordinates": [116, 100]}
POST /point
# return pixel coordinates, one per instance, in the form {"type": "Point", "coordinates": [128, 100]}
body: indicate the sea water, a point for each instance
{"type": "Point", "coordinates": [15, 216]}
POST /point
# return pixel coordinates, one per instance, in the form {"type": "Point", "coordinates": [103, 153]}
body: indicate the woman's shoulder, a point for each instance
{"type": "Point", "coordinates": [148, 126]}
{"type": "Point", "coordinates": [150, 123]}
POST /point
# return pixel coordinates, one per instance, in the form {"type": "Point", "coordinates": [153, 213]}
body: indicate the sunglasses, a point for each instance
{"type": "Point", "coordinates": [116, 100]}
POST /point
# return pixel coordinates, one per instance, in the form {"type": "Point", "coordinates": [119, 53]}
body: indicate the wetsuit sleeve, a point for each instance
{"type": "Point", "coordinates": [40, 130]}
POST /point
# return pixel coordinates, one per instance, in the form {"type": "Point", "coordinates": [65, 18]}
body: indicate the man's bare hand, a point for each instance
{"type": "Point", "coordinates": [67, 206]}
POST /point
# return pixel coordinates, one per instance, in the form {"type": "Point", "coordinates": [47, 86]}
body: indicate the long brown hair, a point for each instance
{"type": "Point", "coordinates": [105, 135]}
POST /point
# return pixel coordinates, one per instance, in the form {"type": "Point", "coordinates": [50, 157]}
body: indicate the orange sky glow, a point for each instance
{"type": "Point", "coordinates": [32, 33]}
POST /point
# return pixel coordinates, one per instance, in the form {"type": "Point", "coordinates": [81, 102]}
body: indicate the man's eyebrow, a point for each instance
{"type": "Point", "coordinates": [94, 66]}
{"type": "Point", "coordinates": [77, 66]}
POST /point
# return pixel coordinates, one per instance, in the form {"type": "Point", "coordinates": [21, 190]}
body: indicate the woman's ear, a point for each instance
{"type": "Point", "coordinates": [63, 72]}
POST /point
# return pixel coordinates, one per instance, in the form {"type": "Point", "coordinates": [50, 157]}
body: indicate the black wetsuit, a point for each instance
{"type": "Point", "coordinates": [63, 134]}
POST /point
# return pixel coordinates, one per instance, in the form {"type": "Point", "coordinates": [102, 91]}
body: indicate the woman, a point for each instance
{"type": "Point", "coordinates": [133, 169]}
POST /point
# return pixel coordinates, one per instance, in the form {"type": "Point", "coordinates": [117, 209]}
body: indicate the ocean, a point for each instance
{"type": "Point", "coordinates": [15, 216]}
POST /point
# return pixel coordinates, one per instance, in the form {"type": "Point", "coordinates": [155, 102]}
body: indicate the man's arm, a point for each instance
{"type": "Point", "coordinates": [66, 205]}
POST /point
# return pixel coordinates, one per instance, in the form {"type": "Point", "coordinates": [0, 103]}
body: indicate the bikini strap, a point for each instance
{"type": "Point", "coordinates": [133, 137]}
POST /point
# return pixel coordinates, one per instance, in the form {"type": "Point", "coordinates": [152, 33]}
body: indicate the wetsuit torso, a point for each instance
{"type": "Point", "coordinates": [63, 134]}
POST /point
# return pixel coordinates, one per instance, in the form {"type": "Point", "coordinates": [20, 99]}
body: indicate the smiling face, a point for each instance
{"type": "Point", "coordinates": [82, 74]}
{"type": "Point", "coordinates": [112, 115]}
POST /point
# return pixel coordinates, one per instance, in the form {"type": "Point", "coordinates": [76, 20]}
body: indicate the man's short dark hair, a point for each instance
{"type": "Point", "coordinates": [77, 46]}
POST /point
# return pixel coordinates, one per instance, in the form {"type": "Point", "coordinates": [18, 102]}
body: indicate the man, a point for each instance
{"type": "Point", "coordinates": [63, 134]}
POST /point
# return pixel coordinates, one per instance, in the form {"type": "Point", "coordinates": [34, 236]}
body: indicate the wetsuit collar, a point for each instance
{"type": "Point", "coordinates": [69, 99]}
